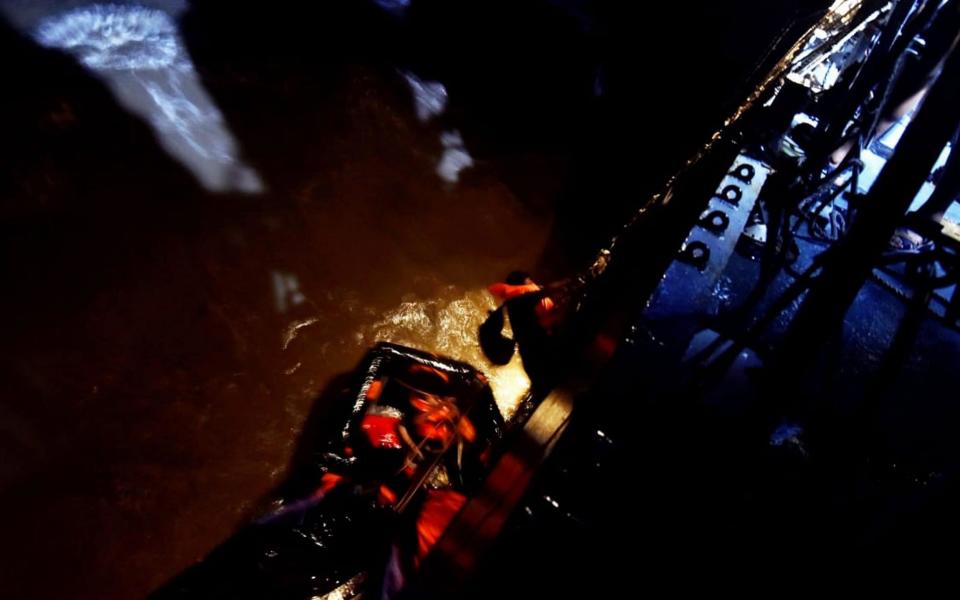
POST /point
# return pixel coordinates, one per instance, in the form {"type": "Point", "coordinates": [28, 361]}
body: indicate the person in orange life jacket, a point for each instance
{"type": "Point", "coordinates": [533, 316]}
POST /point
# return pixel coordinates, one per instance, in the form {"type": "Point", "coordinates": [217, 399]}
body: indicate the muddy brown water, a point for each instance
{"type": "Point", "coordinates": [163, 345]}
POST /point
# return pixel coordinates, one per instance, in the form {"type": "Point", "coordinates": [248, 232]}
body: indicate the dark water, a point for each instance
{"type": "Point", "coordinates": [164, 338]}
{"type": "Point", "coordinates": [162, 344]}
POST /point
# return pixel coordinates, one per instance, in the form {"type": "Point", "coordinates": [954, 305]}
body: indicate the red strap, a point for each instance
{"type": "Point", "coordinates": [505, 291]}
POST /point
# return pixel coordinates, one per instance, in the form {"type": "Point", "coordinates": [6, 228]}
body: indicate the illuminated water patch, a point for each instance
{"type": "Point", "coordinates": [429, 97]}
{"type": "Point", "coordinates": [455, 157]}
{"type": "Point", "coordinates": [138, 53]}
{"type": "Point", "coordinates": [113, 37]}
{"type": "Point", "coordinates": [430, 102]}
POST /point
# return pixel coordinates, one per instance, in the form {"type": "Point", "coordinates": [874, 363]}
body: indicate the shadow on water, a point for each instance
{"type": "Point", "coordinates": [240, 557]}
{"type": "Point", "coordinates": [324, 421]}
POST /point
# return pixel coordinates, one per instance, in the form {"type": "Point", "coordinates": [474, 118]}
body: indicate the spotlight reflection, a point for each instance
{"type": "Point", "coordinates": [138, 53]}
